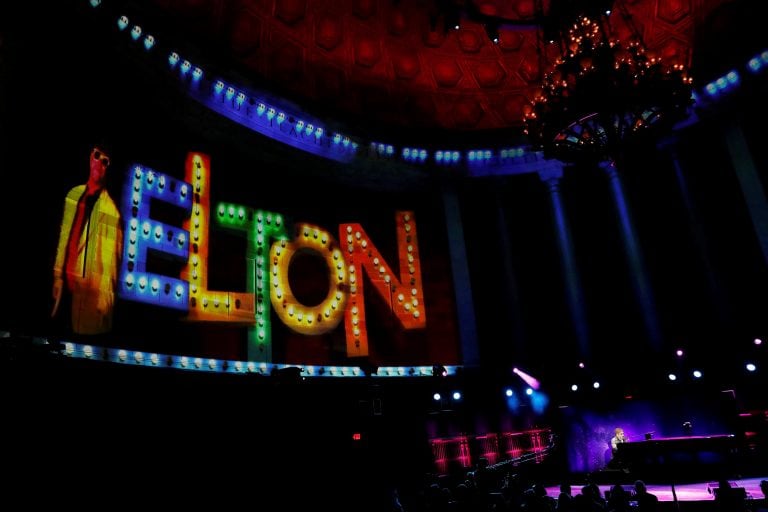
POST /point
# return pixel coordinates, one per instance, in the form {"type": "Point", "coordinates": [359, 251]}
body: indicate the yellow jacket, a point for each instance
{"type": "Point", "coordinates": [94, 276]}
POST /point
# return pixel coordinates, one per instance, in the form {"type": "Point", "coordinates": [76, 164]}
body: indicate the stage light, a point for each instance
{"type": "Point", "coordinates": [492, 31]}
{"type": "Point", "coordinates": [452, 20]}
{"type": "Point", "coordinates": [456, 395]}
{"type": "Point", "coordinates": [513, 402]}
{"type": "Point", "coordinates": [751, 367]}
{"type": "Point", "coordinates": [539, 402]}
{"type": "Point", "coordinates": [527, 378]}
{"type": "Point", "coordinates": [672, 377]}
{"type": "Point", "coordinates": [436, 397]}
{"type": "Point", "coordinates": [697, 374]}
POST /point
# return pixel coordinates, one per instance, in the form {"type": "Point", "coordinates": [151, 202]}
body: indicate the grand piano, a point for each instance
{"type": "Point", "coordinates": [689, 457]}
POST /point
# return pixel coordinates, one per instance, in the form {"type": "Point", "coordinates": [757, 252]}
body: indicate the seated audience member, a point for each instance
{"type": "Point", "coordinates": [761, 504]}
{"type": "Point", "coordinates": [646, 501]}
{"type": "Point", "coordinates": [730, 499]}
{"type": "Point", "coordinates": [565, 498]}
{"type": "Point", "coordinates": [617, 499]}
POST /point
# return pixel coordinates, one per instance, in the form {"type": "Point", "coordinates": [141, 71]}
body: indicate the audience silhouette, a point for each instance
{"type": "Point", "coordinates": [646, 501]}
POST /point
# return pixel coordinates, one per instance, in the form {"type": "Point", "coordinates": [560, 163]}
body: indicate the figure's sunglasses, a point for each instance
{"type": "Point", "coordinates": [98, 155]}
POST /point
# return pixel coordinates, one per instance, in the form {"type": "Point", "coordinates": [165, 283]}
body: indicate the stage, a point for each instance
{"type": "Point", "coordinates": [688, 492]}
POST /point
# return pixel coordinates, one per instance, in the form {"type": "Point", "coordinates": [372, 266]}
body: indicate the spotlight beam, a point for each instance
{"type": "Point", "coordinates": [527, 378]}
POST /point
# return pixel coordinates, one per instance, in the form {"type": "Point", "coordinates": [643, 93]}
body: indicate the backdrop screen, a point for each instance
{"type": "Point", "coordinates": [150, 222]}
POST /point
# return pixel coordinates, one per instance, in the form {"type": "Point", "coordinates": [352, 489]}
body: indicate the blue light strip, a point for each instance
{"type": "Point", "coordinates": [732, 80]}
{"type": "Point", "coordinates": [214, 365]}
{"type": "Point", "coordinates": [263, 118]}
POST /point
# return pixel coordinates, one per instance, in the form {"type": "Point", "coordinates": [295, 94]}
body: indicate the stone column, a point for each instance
{"type": "Point", "coordinates": [462, 286]}
{"type": "Point", "coordinates": [551, 177]}
{"type": "Point", "coordinates": [669, 145]}
{"type": "Point", "coordinates": [754, 194]}
{"type": "Point", "coordinates": [638, 274]}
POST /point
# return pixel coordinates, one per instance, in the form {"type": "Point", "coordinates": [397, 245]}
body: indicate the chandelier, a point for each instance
{"type": "Point", "coordinates": [600, 96]}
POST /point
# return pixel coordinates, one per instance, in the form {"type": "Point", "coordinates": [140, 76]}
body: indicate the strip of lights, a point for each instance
{"type": "Point", "coordinates": [214, 365]}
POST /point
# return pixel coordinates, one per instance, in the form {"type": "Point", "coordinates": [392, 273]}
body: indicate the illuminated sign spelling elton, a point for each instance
{"type": "Point", "coordinates": [268, 258]}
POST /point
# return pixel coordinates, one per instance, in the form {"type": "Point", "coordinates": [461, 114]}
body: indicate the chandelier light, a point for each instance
{"type": "Point", "coordinates": [600, 96]}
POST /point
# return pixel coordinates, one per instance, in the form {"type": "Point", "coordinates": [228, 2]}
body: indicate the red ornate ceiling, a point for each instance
{"type": "Point", "coordinates": [388, 63]}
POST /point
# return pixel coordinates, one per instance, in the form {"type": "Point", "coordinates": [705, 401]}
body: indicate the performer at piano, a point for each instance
{"type": "Point", "coordinates": [619, 437]}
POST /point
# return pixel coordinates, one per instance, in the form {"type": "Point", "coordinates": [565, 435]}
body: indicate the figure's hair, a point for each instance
{"type": "Point", "coordinates": [619, 430]}
{"type": "Point", "coordinates": [105, 146]}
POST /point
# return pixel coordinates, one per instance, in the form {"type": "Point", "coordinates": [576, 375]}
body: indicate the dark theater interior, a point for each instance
{"type": "Point", "coordinates": [384, 255]}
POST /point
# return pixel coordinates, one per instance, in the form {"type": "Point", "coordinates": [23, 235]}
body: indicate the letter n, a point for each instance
{"type": "Point", "coordinates": [403, 295]}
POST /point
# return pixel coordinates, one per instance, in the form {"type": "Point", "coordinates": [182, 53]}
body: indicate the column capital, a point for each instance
{"type": "Point", "coordinates": [609, 166]}
{"type": "Point", "coordinates": [552, 172]}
